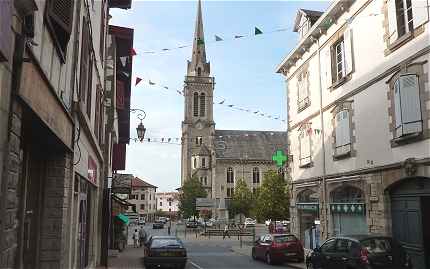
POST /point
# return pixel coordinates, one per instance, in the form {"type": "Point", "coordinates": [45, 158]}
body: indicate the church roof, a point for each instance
{"type": "Point", "coordinates": [249, 145]}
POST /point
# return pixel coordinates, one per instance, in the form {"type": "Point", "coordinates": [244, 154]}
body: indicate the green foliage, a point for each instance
{"type": "Point", "coordinates": [191, 190]}
{"type": "Point", "coordinates": [242, 200]}
{"type": "Point", "coordinates": [273, 200]}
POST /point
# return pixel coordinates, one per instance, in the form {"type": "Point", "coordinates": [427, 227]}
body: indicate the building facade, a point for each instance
{"type": "Point", "coordinates": [52, 77]}
{"type": "Point", "coordinates": [218, 158]}
{"type": "Point", "coordinates": [143, 198]}
{"type": "Point", "coordinates": [358, 122]}
{"type": "Point", "coordinates": [167, 202]}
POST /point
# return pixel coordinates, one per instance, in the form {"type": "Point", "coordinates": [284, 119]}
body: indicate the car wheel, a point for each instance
{"type": "Point", "coordinates": [254, 255]}
{"type": "Point", "coordinates": [269, 258]}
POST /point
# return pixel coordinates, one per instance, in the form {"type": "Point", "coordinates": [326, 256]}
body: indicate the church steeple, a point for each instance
{"type": "Point", "coordinates": [198, 65]}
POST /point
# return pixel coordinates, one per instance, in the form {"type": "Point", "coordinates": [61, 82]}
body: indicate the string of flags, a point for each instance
{"type": "Point", "coordinates": [222, 101]}
{"type": "Point", "coordinates": [219, 38]}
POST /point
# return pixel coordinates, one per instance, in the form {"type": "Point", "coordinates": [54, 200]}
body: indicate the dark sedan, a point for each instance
{"type": "Point", "coordinates": [158, 225]}
{"type": "Point", "coordinates": [165, 251]}
{"type": "Point", "coordinates": [359, 252]}
{"type": "Point", "coordinates": [278, 248]}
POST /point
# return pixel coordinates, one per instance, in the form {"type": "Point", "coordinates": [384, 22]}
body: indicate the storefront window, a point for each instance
{"type": "Point", "coordinates": [308, 214]}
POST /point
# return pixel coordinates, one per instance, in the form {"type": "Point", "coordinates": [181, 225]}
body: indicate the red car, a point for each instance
{"type": "Point", "coordinates": [277, 248]}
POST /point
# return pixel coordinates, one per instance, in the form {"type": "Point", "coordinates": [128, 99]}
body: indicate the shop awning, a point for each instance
{"type": "Point", "coordinates": [123, 218]}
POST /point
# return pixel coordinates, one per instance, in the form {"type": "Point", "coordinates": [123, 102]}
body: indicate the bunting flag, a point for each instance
{"type": "Point", "coordinates": [217, 38]}
{"type": "Point", "coordinates": [179, 92]}
{"type": "Point", "coordinates": [238, 36]}
{"type": "Point", "coordinates": [181, 47]}
{"type": "Point", "coordinates": [200, 41]}
{"type": "Point", "coordinates": [133, 52]}
{"type": "Point", "coordinates": [168, 140]}
{"type": "Point", "coordinates": [151, 83]}
{"type": "Point", "coordinates": [165, 87]}
{"type": "Point", "coordinates": [138, 80]}
{"type": "Point", "coordinates": [230, 105]}
{"type": "Point", "coordinates": [309, 131]}
{"type": "Point", "coordinates": [149, 139]}
{"type": "Point", "coordinates": [165, 49]}
{"type": "Point", "coordinates": [256, 112]}
{"type": "Point", "coordinates": [257, 31]}
{"type": "Point", "coordinates": [123, 60]}
{"type": "Point", "coordinates": [222, 102]}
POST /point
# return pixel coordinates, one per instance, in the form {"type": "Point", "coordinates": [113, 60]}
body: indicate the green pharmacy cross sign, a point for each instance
{"type": "Point", "coordinates": [280, 158]}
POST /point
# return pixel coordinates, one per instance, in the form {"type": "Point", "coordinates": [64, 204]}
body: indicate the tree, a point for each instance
{"type": "Point", "coordinates": [273, 197]}
{"type": "Point", "coordinates": [242, 200]}
{"type": "Point", "coordinates": [191, 190]}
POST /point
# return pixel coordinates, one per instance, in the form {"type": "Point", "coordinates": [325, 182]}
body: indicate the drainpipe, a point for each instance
{"type": "Point", "coordinates": [324, 183]}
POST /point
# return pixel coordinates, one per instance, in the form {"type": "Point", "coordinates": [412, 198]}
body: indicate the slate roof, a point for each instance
{"type": "Point", "coordinates": [249, 145]}
{"type": "Point", "coordinates": [137, 182]}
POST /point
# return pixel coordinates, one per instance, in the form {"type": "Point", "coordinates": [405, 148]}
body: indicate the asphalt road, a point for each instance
{"type": "Point", "coordinates": [214, 253]}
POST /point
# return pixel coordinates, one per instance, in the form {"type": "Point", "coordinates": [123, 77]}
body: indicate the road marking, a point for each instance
{"type": "Point", "coordinates": [196, 265]}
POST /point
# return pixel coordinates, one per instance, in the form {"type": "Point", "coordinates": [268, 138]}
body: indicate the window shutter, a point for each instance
{"type": "Point", "coordinates": [6, 36]}
{"type": "Point", "coordinates": [84, 62]}
{"type": "Point", "coordinates": [61, 12]}
{"type": "Point", "coordinates": [305, 148]}
{"type": "Point", "coordinates": [397, 110]}
{"type": "Point", "coordinates": [346, 128]}
{"type": "Point", "coordinates": [410, 104]}
{"type": "Point", "coordinates": [348, 51]}
{"type": "Point", "coordinates": [392, 21]}
{"type": "Point", "coordinates": [339, 129]}
{"type": "Point", "coordinates": [420, 12]}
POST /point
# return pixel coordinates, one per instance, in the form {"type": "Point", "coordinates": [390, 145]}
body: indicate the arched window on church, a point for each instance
{"type": "Point", "coordinates": [230, 175]}
{"type": "Point", "coordinates": [199, 71]}
{"type": "Point", "coordinates": [196, 105]}
{"type": "Point", "coordinates": [202, 104]}
{"type": "Point", "coordinates": [255, 175]}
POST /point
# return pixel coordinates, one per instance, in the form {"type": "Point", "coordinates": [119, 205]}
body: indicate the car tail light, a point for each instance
{"type": "Point", "coordinates": [364, 256]}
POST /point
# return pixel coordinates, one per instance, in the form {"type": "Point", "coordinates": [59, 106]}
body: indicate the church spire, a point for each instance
{"type": "Point", "coordinates": [198, 65]}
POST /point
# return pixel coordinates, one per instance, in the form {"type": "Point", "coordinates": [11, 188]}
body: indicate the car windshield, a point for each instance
{"type": "Point", "coordinates": [285, 238]}
{"type": "Point", "coordinates": [161, 243]}
{"type": "Point", "coordinates": [377, 245]}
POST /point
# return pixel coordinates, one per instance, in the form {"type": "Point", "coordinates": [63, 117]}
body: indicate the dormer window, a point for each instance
{"type": "Point", "coordinates": [304, 20]}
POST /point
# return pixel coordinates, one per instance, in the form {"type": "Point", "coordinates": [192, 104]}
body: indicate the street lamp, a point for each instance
{"type": "Point", "coordinates": [141, 131]}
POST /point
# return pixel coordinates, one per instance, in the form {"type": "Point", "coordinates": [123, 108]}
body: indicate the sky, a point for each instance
{"type": "Point", "coordinates": [244, 71]}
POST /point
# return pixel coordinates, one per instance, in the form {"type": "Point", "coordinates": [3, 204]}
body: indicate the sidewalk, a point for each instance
{"type": "Point", "coordinates": [129, 258]}
{"type": "Point", "coordinates": [246, 251]}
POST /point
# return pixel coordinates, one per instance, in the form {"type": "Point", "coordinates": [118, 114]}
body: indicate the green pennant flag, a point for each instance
{"type": "Point", "coordinates": [257, 31]}
{"type": "Point", "coordinates": [217, 38]}
{"type": "Point", "coordinates": [200, 41]}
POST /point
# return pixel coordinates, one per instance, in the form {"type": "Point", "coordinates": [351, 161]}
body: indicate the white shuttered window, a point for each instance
{"type": "Point", "coordinates": [305, 148]}
{"type": "Point", "coordinates": [343, 133]}
{"type": "Point", "coordinates": [407, 106]}
{"type": "Point", "coordinates": [302, 90]}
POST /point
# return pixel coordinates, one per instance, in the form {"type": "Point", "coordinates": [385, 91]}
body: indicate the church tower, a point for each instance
{"type": "Point", "coordinates": [198, 126]}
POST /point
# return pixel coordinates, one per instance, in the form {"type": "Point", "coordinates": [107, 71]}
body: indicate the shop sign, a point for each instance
{"type": "Point", "coordinates": [92, 170]}
{"type": "Point", "coordinates": [348, 208]}
{"type": "Point", "coordinates": [308, 206]}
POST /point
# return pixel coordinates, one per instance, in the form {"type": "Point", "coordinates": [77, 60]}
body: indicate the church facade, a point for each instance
{"type": "Point", "coordinates": [218, 158]}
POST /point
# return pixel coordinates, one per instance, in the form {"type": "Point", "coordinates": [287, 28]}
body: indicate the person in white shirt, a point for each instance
{"type": "Point", "coordinates": [136, 238]}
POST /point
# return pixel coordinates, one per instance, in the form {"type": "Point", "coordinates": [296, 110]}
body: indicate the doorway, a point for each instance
{"type": "Point", "coordinates": [410, 211]}
{"type": "Point", "coordinates": [84, 223]}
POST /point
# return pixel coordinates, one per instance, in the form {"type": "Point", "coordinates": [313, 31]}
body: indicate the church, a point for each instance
{"type": "Point", "coordinates": [218, 158]}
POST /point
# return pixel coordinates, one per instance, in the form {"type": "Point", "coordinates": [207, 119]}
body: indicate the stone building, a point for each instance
{"type": "Point", "coordinates": [143, 198]}
{"type": "Point", "coordinates": [167, 202]}
{"type": "Point", "coordinates": [359, 117]}
{"type": "Point", "coordinates": [218, 158]}
{"type": "Point", "coordinates": [52, 81]}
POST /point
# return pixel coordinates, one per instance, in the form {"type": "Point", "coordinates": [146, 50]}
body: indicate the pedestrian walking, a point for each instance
{"type": "Point", "coordinates": [271, 227]}
{"type": "Point", "coordinates": [136, 238]}
{"type": "Point", "coordinates": [142, 236]}
{"type": "Point", "coordinates": [225, 232]}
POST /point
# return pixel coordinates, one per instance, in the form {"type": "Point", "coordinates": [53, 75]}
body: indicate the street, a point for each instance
{"type": "Point", "coordinates": [203, 253]}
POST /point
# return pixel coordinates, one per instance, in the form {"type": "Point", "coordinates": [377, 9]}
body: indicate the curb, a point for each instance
{"type": "Point", "coordinates": [290, 265]}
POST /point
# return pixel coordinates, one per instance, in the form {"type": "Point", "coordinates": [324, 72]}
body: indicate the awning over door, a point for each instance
{"type": "Point", "coordinates": [123, 218]}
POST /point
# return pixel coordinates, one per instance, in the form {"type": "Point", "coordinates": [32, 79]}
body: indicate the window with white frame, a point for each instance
{"type": "Point", "coordinates": [407, 106]}
{"type": "Point", "coordinates": [303, 100]}
{"type": "Point", "coordinates": [404, 16]}
{"type": "Point", "coordinates": [255, 175]}
{"type": "Point", "coordinates": [305, 147]}
{"type": "Point", "coordinates": [337, 60]}
{"type": "Point", "coordinates": [342, 133]}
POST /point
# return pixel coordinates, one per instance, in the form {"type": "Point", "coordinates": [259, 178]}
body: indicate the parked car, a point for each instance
{"type": "Point", "coordinates": [158, 225]}
{"type": "Point", "coordinates": [209, 223]}
{"type": "Point", "coordinates": [359, 252]}
{"type": "Point", "coordinates": [164, 250]}
{"type": "Point", "coordinates": [191, 224]}
{"type": "Point", "coordinates": [250, 222]}
{"type": "Point", "coordinates": [278, 248]}
{"type": "Point", "coordinates": [162, 219]}
{"type": "Point", "coordinates": [141, 221]}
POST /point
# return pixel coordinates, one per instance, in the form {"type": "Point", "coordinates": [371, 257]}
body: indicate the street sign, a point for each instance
{"type": "Point", "coordinates": [205, 203]}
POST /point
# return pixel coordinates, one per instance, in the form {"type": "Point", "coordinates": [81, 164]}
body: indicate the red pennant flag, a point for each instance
{"type": "Point", "coordinates": [133, 52]}
{"type": "Point", "coordinates": [138, 80]}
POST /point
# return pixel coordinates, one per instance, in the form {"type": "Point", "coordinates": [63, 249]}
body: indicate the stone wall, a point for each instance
{"type": "Point", "coordinates": [9, 202]}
